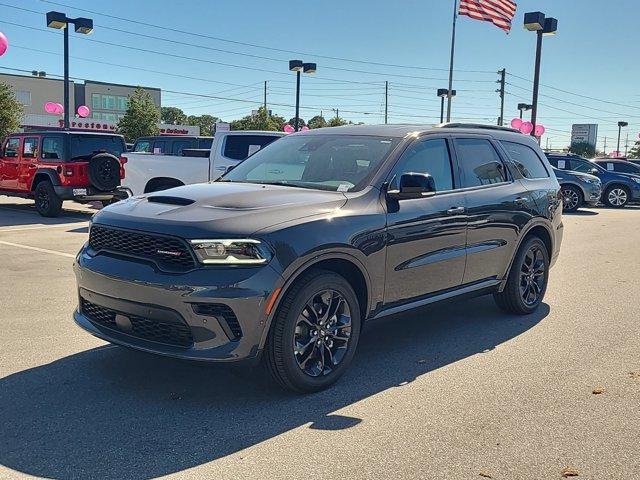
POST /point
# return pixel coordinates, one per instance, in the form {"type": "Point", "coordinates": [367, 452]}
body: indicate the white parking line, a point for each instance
{"type": "Point", "coordinates": [43, 250]}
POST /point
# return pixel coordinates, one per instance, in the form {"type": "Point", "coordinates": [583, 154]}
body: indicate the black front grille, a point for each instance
{"type": "Point", "coordinates": [174, 334]}
{"type": "Point", "coordinates": [167, 252]}
{"type": "Point", "coordinates": [224, 314]}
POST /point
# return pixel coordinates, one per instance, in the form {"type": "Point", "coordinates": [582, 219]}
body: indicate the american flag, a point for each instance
{"type": "Point", "coordinates": [498, 12]}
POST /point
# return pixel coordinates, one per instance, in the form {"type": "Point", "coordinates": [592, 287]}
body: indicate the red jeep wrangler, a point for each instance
{"type": "Point", "coordinates": [53, 166]}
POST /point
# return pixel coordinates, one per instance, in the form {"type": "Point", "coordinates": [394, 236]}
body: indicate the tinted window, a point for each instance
{"type": "Point", "coordinates": [239, 147]}
{"type": "Point", "coordinates": [205, 142]}
{"type": "Point", "coordinates": [142, 146]}
{"type": "Point", "coordinates": [427, 156]}
{"type": "Point", "coordinates": [13, 145]}
{"type": "Point", "coordinates": [179, 145]}
{"type": "Point", "coordinates": [30, 148]}
{"type": "Point", "coordinates": [626, 167]}
{"type": "Point", "coordinates": [526, 160]}
{"type": "Point", "coordinates": [86, 146]}
{"type": "Point", "coordinates": [583, 166]}
{"type": "Point", "coordinates": [479, 162]}
{"type": "Point", "coordinates": [323, 161]}
{"type": "Point", "coordinates": [52, 148]}
{"type": "Point", "coordinates": [159, 146]}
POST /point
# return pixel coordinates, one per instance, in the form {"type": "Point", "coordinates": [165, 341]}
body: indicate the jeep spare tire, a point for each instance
{"type": "Point", "coordinates": [104, 171]}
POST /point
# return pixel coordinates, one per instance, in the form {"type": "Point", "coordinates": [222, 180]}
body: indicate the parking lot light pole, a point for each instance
{"type": "Point", "coordinates": [523, 107]}
{"type": "Point", "coordinates": [620, 125]}
{"type": "Point", "coordinates": [298, 66]}
{"type": "Point", "coordinates": [60, 21]}
{"type": "Point", "coordinates": [444, 93]}
{"type": "Point", "coordinates": [537, 22]}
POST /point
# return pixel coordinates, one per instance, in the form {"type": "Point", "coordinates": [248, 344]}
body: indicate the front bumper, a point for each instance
{"type": "Point", "coordinates": [151, 306]}
{"type": "Point", "coordinates": [592, 193]}
{"type": "Point", "coordinates": [88, 194]}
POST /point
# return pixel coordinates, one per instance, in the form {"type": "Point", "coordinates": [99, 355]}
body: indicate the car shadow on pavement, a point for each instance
{"type": "Point", "coordinates": [112, 413]}
{"type": "Point", "coordinates": [25, 215]}
{"type": "Point", "coordinates": [581, 213]}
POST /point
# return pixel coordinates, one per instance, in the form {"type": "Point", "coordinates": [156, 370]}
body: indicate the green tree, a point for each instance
{"type": "Point", "coordinates": [205, 122]}
{"type": "Point", "coordinates": [635, 151]}
{"type": "Point", "coordinates": [141, 118]}
{"type": "Point", "coordinates": [583, 149]}
{"type": "Point", "coordinates": [337, 122]}
{"type": "Point", "coordinates": [10, 111]}
{"type": "Point", "coordinates": [172, 116]}
{"type": "Point", "coordinates": [260, 121]}
{"type": "Point", "coordinates": [317, 122]}
{"type": "Point", "coordinates": [301, 122]}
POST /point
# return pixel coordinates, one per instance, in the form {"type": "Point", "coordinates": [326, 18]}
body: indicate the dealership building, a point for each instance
{"type": "Point", "coordinates": [107, 102]}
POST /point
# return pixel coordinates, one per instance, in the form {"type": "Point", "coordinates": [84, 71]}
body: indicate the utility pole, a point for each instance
{"type": "Point", "coordinates": [386, 101]}
{"type": "Point", "coordinates": [502, 81]}
{"type": "Point", "coordinates": [604, 150]}
{"type": "Point", "coordinates": [626, 145]}
{"type": "Point", "coordinates": [265, 98]}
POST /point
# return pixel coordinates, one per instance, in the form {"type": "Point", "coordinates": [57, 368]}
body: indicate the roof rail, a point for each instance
{"type": "Point", "coordinates": [476, 125]}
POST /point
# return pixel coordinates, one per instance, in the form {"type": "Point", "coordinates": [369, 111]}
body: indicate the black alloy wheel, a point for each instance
{"type": "Point", "coordinates": [322, 333]}
{"type": "Point", "coordinates": [532, 275]}
{"type": "Point", "coordinates": [48, 203]}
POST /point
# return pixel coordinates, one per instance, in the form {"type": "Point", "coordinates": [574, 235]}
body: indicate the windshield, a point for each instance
{"type": "Point", "coordinates": [324, 161]}
{"type": "Point", "coordinates": [86, 146]}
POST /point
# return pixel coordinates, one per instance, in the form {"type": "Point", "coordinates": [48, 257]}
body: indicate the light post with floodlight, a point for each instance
{"type": "Point", "coordinates": [523, 107]}
{"type": "Point", "coordinates": [620, 125]}
{"type": "Point", "coordinates": [298, 66]}
{"type": "Point", "coordinates": [60, 21]}
{"type": "Point", "coordinates": [537, 22]}
{"type": "Point", "coordinates": [444, 93]}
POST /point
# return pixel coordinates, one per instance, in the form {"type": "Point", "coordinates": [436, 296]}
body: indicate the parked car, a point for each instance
{"type": "Point", "coordinates": [288, 254]}
{"type": "Point", "coordinates": [619, 189]}
{"type": "Point", "coordinates": [170, 144]}
{"type": "Point", "coordinates": [578, 189]}
{"type": "Point", "coordinates": [148, 172]}
{"type": "Point", "coordinates": [618, 165]}
{"type": "Point", "coordinates": [52, 166]}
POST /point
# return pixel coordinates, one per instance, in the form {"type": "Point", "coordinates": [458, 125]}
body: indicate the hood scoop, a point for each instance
{"type": "Point", "coordinates": [169, 200]}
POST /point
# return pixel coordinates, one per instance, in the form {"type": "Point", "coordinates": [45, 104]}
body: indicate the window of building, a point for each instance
{"type": "Point", "coordinates": [23, 96]}
{"type": "Point", "coordinates": [427, 156]}
{"type": "Point", "coordinates": [122, 103]}
{"type": "Point", "coordinates": [96, 102]}
{"type": "Point", "coordinates": [52, 148]}
{"type": "Point", "coordinates": [480, 162]}
{"type": "Point", "coordinates": [526, 160]}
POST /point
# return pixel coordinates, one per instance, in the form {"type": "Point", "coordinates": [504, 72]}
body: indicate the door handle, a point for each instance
{"type": "Point", "coordinates": [520, 200]}
{"type": "Point", "coordinates": [456, 211]}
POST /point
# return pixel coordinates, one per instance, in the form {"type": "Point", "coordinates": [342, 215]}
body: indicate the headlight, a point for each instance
{"type": "Point", "coordinates": [593, 181]}
{"type": "Point", "coordinates": [241, 251]}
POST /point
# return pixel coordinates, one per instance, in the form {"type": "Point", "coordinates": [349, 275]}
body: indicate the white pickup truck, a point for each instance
{"type": "Point", "coordinates": [151, 172]}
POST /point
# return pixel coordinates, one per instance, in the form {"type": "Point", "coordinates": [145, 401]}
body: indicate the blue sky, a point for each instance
{"type": "Point", "coordinates": [594, 55]}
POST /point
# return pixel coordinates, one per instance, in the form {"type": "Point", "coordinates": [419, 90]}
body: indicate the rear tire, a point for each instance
{"type": "Point", "coordinates": [306, 352]}
{"type": "Point", "coordinates": [48, 203]}
{"type": "Point", "coordinates": [572, 198]}
{"type": "Point", "coordinates": [616, 196]}
{"type": "Point", "coordinates": [528, 278]}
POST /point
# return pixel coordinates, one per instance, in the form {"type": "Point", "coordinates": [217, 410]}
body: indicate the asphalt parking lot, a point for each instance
{"type": "Point", "coordinates": [457, 391]}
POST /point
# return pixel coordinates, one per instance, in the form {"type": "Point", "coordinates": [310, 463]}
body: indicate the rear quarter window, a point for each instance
{"type": "Point", "coordinates": [526, 160]}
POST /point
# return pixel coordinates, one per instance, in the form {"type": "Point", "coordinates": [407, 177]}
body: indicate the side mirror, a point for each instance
{"type": "Point", "coordinates": [594, 171]}
{"type": "Point", "coordinates": [414, 185]}
{"type": "Point", "coordinates": [229, 168]}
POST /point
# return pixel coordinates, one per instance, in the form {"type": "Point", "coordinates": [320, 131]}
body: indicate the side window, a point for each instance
{"type": "Point", "coordinates": [526, 160]}
{"type": "Point", "coordinates": [480, 162]}
{"type": "Point", "coordinates": [581, 166]}
{"type": "Point", "coordinates": [426, 156]}
{"type": "Point", "coordinates": [239, 147]}
{"type": "Point", "coordinates": [159, 146]}
{"type": "Point", "coordinates": [142, 146]}
{"type": "Point", "coordinates": [30, 148]}
{"type": "Point", "coordinates": [179, 145]}
{"type": "Point", "coordinates": [52, 148]}
{"type": "Point", "coordinates": [205, 142]}
{"type": "Point", "coordinates": [626, 168]}
{"type": "Point", "coordinates": [12, 147]}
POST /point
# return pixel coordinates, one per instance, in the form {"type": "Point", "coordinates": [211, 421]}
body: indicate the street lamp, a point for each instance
{"type": "Point", "coordinates": [60, 21]}
{"type": "Point", "coordinates": [523, 107]}
{"type": "Point", "coordinates": [298, 66]}
{"type": "Point", "coordinates": [620, 125]}
{"type": "Point", "coordinates": [537, 22]}
{"type": "Point", "coordinates": [444, 93]}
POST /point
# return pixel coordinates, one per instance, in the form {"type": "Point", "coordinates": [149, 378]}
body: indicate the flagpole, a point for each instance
{"type": "Point", "coordinates": [453, 48]}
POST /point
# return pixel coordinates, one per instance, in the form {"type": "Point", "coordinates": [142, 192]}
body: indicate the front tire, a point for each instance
{"type": "Point", "coordinates": [527, 281]}
{"type": "Point", "coordinates": [572, 198]}
{"type": "Point", "coordinates": [314, 334]}
{"type": "Point", "coordinates": [617, 196]}
{"type": "Point", "coordinates": [48, 203]}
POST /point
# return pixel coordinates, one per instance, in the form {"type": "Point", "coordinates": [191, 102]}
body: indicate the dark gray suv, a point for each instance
{"type": "Point", "coordinates": [286, 257]}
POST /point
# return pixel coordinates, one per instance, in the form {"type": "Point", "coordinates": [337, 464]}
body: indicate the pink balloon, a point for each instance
{"type": "Point", "coordinates": [288, 129]}
{"type": "Point", "coordinates": [4, 43]}
{"type": "Point", "coordinates": [540, 130]}
{"type": "Point", "coordinates": [526, 128]}
{"type": "Point", "coordinates": [84, 111]}
{"type": "Point", "coordinates": [516, 123]}
{"type": "Point", "coordinates": [50, 107]}
{"type": "Point", "coordinates": [59, 109]}
{"type": "Point", "coordinates": [304, 129]}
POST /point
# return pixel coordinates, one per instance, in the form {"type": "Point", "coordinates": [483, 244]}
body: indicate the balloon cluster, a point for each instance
{"type": "Point", "coordinates": [527, 127]}
{"type": "Point", "coordinates": [289, 129]}
{"type": "Point", "coordinates": [54, 108]}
